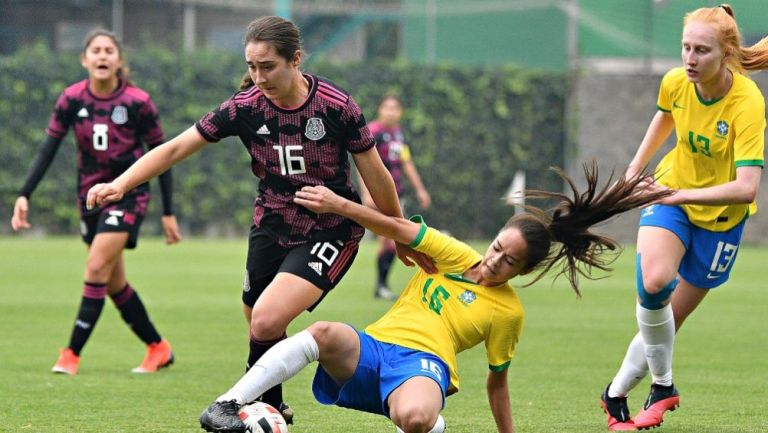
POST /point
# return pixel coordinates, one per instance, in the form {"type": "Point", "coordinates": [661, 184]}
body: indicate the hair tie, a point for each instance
{"type": "Point", "coordinates": [727, 9]}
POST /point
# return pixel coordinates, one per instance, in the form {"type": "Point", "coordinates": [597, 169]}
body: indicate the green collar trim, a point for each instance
{"type": "Point", "coordinates": [705, 102]}
{"type": "Point", "coordinates": [460, 278]}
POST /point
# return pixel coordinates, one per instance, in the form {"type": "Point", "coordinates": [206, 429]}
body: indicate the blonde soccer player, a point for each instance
{"type": "Point", "coordinates": [687, 244]}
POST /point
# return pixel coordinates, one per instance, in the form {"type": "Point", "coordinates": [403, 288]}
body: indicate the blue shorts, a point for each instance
{"type": "Point", "coordinates": [381, 369]}
{"type": "Point", "coordinates": [709, 256]}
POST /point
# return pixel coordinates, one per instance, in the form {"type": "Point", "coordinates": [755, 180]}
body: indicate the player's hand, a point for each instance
{"type": "Point", "coordinates": [103, 193]}
{"type": "Point", "coordinates": [424, 199]}
{"type": "Point", "coordinates": [409, 257]}
{"type": "Point", "coordinates": [650, 186]}
{"type": "Point", "coordinates": [319, 199]}
{"type": "Point", "coordinates": [171, 229]}
{"type": "Point", "coordinates": [20, 210]}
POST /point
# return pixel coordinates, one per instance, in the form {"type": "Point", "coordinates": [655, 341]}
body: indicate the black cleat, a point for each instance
{"type": "Point", "coordinates": [617, 410]}
{"type": "Point", "coordinates": [222, 417]}
{"type": "Point", "coordinates": [286, 412]}
{"type": "Point", "coordinates": [661, 399]}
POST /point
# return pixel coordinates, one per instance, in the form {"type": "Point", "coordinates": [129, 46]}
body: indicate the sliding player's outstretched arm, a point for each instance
{"type": "Point", "coordinates": [322, 200]}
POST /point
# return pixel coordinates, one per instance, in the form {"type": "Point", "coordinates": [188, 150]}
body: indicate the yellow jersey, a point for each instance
{"type": "Point", "coordinates": [444, 314]}
{"type": "Point", "coordinates": [713, 139]}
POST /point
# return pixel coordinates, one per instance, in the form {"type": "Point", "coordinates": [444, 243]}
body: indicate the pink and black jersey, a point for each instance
{"type": "Point", "coordinates": [391, 147]}
{"type": "Point", "coordinates": [108, 131]}
{"type": "Point", "coordinates": [293, 148]}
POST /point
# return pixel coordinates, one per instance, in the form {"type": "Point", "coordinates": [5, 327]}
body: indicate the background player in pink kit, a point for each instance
{"type": "Point", "coordinates": [397, 158]}
{"type": "Point", "coordinates": [110, 117]}
{"type": "Point", "coordinates": [298, 128]}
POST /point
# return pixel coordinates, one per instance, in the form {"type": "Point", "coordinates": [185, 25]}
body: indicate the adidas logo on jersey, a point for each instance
{"type": "Point", "coordinates": [82, 113]}
{"type": "Point", "coordinates": [263, 130]}
{"type": "Point", "coordinates": [317, 267]}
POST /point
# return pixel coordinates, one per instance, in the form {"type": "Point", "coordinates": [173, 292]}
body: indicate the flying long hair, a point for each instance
{"type": "Point", "coordinates": [563, 236]}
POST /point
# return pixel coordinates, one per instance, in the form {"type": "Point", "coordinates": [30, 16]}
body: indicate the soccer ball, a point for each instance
{"type": "Point", "coordinates": [260, 417]}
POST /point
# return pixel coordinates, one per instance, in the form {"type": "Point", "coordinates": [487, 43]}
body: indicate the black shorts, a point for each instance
{"type": "Point", "coordinates": [322, 263]}
{"type": "Point", "coordinates": [123, 216]}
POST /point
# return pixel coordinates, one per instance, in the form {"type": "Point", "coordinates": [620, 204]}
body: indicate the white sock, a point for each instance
{"type": "Point", "coordinates": [439, 426]}
{"type": "Point", "coordinates": [658, 330]}
{"type": "Point", "coordinates": [283, 361]}
{"type": "Point", "coordinates": [633, 369]}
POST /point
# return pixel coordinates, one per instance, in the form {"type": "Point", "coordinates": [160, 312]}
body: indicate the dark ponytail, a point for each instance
{"type": "Point", "coordinates": [577, 249]}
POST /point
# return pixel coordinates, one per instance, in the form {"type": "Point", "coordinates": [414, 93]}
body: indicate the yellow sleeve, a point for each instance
{"type": "Point", "coordinates": [749, 142]}
{"type": "Point", "coordinates": [450, 255]}
{"type": "Point", "coordinates": [502, 340]}
{"type": "Point", "coordinates": [405, 153]}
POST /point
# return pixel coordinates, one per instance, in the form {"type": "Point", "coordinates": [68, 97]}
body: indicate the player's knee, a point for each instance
{"type": "Point", "coordinates": [389, 247]}
{"type": "Point", "coordinates": [654, 295]}
{"type": "Point", "coordinates": [265, 326]}
{"type": "Point", "coordinates": [97, 268]}
{"type": "Point", "coordinates": [654, 285]}
{"type": "Point", "coordinates": [413, 419]}
{"type": "Point", "coordinates": [321, 332]}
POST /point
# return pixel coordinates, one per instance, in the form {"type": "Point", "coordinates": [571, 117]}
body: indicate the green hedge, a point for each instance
{"type": "Point", "coordinates": [470, 129]}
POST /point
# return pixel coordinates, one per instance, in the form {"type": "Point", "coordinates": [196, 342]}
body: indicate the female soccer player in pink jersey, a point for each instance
{"type": "Point", "coordinates": [396, 155]}
{"type": "Point", "coordinates": [404, 365]}
{"type": "Point", "coordinates": [110, 117]}
{"type": "Point", "coordinates": [687, 244]}
{"type": "Point", "coordinates": [297, 128]}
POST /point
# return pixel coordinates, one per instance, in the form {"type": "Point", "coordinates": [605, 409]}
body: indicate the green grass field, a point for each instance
{"type": "Point", "coordinates": [569, 350]}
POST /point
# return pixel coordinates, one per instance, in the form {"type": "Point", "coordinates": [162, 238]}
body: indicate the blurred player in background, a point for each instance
{"type": "Point", "coordinates": [404, 365]}
{"type": "Point", "coordinates": [687, 244]}
{"type": "Point", "coordinates": [111, 117]}
{"type": "Point", "coordinates": [397, 158]}
{"type": "Point", "coordinates": [298, 128]}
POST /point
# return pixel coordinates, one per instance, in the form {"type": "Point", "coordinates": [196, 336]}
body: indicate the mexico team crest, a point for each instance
{"type": "Point", "coordinates": [119, 115]}
{"type": "Point", "coordinates": [315, 129]}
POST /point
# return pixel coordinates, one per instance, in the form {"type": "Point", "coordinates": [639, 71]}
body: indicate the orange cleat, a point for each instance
{"type": "Point", "coordinates": [159, 355]}
{"type": "Point", "coordinates": [67, 362]}
{"type": "Point", "coordinates": [618, 412]}
{"type": "Point", "coordinates": [660, 400]}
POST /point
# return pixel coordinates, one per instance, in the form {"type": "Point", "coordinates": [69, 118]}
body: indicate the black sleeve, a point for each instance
{"type": "Point", "coordinates": [40, 165]}
{"type": "Point", "coordinates": [166, 190]}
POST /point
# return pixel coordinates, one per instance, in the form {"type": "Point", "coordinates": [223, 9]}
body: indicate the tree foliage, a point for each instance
{"type": "Point", "coordinates": [469, 129]}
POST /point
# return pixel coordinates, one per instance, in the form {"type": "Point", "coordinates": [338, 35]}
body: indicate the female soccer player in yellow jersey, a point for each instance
{"type": "Point", "coordinates": [404, 365]}
{"type": "Point", "coordinates": [686, 245]}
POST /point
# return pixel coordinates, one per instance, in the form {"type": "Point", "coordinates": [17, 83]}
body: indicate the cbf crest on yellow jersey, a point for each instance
{"type": "Point", "coordinates": [713, 139]}
{"type": "Point", "coordinates": [444, 314]}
